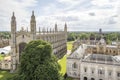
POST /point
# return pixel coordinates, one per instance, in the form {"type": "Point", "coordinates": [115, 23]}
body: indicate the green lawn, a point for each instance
{"type": "Point", "coordinates": [5, 74]}
{"type": "Point", "coordinates": [69, 45]}
{"type": "Point", "coordinates": [62, 61]}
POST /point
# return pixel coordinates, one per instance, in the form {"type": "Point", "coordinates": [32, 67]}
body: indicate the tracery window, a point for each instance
{"type": "Point", "coordinates": [85, 69]}
{"type": "Point", "coordinates": [74, 65]}
{"type": "Point", "coordinates": [92, 70]}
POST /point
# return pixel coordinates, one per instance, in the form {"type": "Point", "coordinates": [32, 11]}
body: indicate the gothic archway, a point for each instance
{"type": "Point", "coordinates": [21, 47]}
{"type": "Point", "coordinates": [92, 79]}
{"type": "Point", "coordinates": [85, 78]}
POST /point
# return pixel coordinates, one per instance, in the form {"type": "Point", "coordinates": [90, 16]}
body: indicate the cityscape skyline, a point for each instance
{"type": "Point", "coordinates": [80, 15]}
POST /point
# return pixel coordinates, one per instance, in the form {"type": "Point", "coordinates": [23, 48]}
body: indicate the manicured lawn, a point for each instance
{"type": "Point", "coordinates": [5, 74]}
{"type": "Point", "coordinates": [69, 45]}
{"type": "Point", "coordinates": [62, 63]}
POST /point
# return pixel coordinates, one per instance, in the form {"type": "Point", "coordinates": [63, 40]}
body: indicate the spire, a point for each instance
{"type": "Point", "coordinates": [56, 27]}
{"type": "Point", "coordinates": [39, 30]}
{"type": "Point", "coordinates": [13, 16]}
{"type": "Point", "coordinates": [47, 30]}
{"type": "Point", "coordinates": [13, 23]}
{"type": "Point", "coordinates": [33, 13]}
{"type": "Point", "coordinates": [33, 16]}
{"type": "Point", "coordinates": [33, 23]}
{"type": "Point", "coordinates": [65, 27]}
{"type": "Point", "coordinates": [13, 13]}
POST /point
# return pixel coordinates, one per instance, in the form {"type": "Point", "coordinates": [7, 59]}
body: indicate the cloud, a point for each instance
{"type": "Point", "coordinates": [20, 9]}
{"type": "Point", "coordinates": [79, 14]}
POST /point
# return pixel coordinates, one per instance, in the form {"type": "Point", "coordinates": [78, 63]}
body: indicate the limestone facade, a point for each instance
{"type": "Point", "coordinates": [19, 39]}
{"type": "Point", "coordinates": [94, 62]}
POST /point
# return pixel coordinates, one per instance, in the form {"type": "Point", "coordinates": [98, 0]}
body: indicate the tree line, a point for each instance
{"type": "Point", "coordinates": [109, 37]}
{"type": "Point", "coordinates": [5, 35]}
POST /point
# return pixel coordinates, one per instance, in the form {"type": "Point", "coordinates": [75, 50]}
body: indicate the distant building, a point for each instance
{"type": "Point", "coordinates": [94, 60]}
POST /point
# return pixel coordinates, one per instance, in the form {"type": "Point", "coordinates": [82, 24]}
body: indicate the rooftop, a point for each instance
{"type": "Point", "coordinates": [102, 59]}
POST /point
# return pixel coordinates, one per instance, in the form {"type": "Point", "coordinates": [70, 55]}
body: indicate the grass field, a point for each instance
{"type": "Point", "coordinates": [69, 45]}
{"type": "Point", "coordinates": [62, 61]}
{"type": "Point", "coordinates": [5, 74]}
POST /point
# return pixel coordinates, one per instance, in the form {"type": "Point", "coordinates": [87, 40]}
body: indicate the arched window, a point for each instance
{"type": "Point", "coordinates": [92, 70]}
{"type": "Point", "coordinates": [85, 69]}
{"type": "Point", "coordinates": [85, 78]}
{"type": "Point", "coordinates": [92, 79]}
{"type": "Point", "coordinates": [74, 65]}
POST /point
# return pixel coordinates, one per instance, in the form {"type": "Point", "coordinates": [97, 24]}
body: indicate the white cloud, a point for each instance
{"type": "Point", "coordinates": [77, 13]}
{"type": "Point", "coordinates": [20, 9]}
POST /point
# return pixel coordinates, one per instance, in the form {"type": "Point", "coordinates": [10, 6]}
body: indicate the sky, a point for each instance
{"type": "Point", "coordinates": [80, 15]}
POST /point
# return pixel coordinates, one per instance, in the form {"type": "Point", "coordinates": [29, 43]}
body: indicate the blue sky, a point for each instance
{"type": "Point", "coordinates": [80, 15]}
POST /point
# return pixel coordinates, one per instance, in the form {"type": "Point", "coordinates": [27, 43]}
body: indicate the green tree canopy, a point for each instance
{"type": "Point", "coordinates": [38, 63]}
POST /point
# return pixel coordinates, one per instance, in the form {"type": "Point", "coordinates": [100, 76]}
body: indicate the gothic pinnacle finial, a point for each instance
{"type": "Point", "coordinates": [32, 12]}
{"type": "Point", "coordinates": [56, 24]}
{"type": "Point", "coordinates": [39, 29]}
{"type": "Point", "coordinates": [47, 30]}
{"type": "Point", "coordinates": [65, 24]}
{"type": "Point", "coordinates": [65, 27]}
{"type": "Point", "coordinates": [56, 27]}
{"type": "Point", "coordinates": [13, 16]}
{"type": "Point", "coordinates": [13, 13]}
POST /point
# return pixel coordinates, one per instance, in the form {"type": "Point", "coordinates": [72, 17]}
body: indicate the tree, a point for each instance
{"type": "Point", "coordinates": [84, 36]}
{"type": "Point", "coordinates": [38, 63]}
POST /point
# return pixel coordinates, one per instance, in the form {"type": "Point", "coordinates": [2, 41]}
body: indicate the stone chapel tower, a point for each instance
{"type": "Point", "coordinates": [33, 26]}
{"type": "Point", "coordinates": [20, 38]}
{"type": "Point", "coordinates": [13, 42]}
